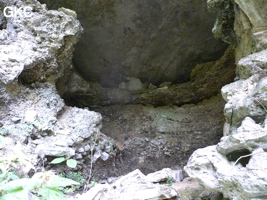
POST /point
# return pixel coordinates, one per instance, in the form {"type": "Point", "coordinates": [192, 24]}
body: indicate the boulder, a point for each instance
{"type": "Point", "coordinates": [215, 172]}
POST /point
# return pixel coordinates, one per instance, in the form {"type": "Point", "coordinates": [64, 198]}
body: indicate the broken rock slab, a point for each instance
{"type": "Point", "coordinates": [137, 186]}
{"type": "Point", "coordinates": [133, 186]}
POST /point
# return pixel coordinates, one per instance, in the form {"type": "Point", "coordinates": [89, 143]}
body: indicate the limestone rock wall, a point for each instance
{"type": "Point", "coordinates": [250, 27]}
{"type": "Point", "coordinates": [236, 166]}
{"type": "Point", "coordinates": [34, 52]}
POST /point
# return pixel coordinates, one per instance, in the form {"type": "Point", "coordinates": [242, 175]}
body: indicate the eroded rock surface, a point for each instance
{"type": "Point", "coordinates": [224, 26]}
{"type": "Point", "coordinates": [206, 80]}
{"type": "Point", "coordinates": [155, 41]}
{"type": "Point", "coordinates": [250, 27]}
{"type": "Point", "coordinates": [35, 51]}
{"type": "Point", "coordinates": [236, 165]}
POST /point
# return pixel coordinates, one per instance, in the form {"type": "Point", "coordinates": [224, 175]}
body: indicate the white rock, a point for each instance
{"type": "Point", "coordinates": [160, 176]}
{"type": "Point", "coordinates": [215, 172]}
{"type": "Point", "coordinates": [104, 156]}
{"type": "Point", "coordinates": [95, 192]}
{"type": "Point", "coordinates": [177, 175]}
{"type": "Point", "coordinates": [15, 119]}
{"type": "Point", "coordinates": [30, 116]}
{"type": "Point", "coordinates": [133, 186]}
{"type": "Point", "coordinates": [226, 129]}
{"type": "Point", "coordinates": [96, 156]}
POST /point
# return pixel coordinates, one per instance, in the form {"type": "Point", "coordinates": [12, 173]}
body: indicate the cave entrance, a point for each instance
{"type": "Point", "coordinates": [161, 126]}
{"type": "Point", "coordinates": [138, 64]}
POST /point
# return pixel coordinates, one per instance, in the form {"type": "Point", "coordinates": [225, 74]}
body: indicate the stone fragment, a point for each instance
{"type": "Point", "coordinates": [30, 116]}
{"type": "Point", "coordinates": [252, 64]}
{"type": "Point", "coordinates": [81, 150]}
{"type": "Point", "coordinates": [177, 175]}
{"type": "Point", "coordinates": [248, 136]}
{"type": "Point", "coordinates": [53, 150]}
{"type": "Point", "coordinates": [151, 86]}
{"type": "Point", "coordinates": [96, 155]}
{"type": "Point", "coordinates": [104, 156]}
{"type": "Point", "coordinates": [86, 147]}
{"type": "Point", "coordinates": [15, 119]}
{"type": "Point", "coordinates": [111, 179]}
{"type": "Point", "coordinates": [78, 156]}
{"type": "Point", "coordinates": [189, 189]}
{"type": "Point", "coordinates": [165, 84]}
{"type": "Point", "coordinates": [160, 176]}
{"type": "Point", "coordinates": [96, 192]}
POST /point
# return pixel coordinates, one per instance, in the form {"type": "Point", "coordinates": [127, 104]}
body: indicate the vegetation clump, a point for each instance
{"type": "Point", "coordinates": [42, 185]}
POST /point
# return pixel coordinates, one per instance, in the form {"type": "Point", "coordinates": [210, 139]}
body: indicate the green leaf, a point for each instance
{"type": "Point", "coordinates": [58, 160]}
{"type": "Point", "coordinates": [71, 163]}
{"type": "Point", "coordinates": [51, 194]}
{"type": "Point", "coordinates": [57, 181]}
{"type": "Point", "coordinates": [93, 183]}
{"type": "Point", "coordinates": [169, 179]}
{"type": "Point", "coordinates": [169, 182]}
{"type": "Point", "coordinates": [14, 186]}
{"type": "Point", "coordinates": [18, 195]}
{"type": "Point", "coordinates": [12, 176]}
{"type": "Point", "coordinates": [36, 180]}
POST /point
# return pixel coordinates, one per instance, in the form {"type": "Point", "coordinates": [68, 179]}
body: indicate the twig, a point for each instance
{"type": "Point", "coordinates": [242, 157]}
{"type": "Point", "coordinates": [253, 153]}
{"type": "Point", "coordinates": [90, 171]}
{"type": "Point", "coordinates": [91, 164]}
{"type": "Point", "coordinates": [260, 104]}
